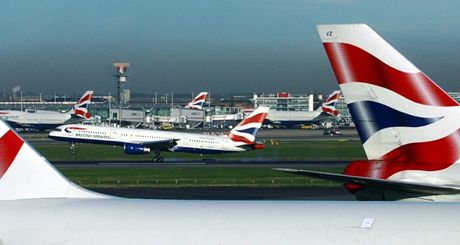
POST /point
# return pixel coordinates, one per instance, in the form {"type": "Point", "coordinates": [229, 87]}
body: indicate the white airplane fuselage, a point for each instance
{"type": "Point", "coordinates": [38, 119]}
{"type": "Point", "coordinates": [122, 221]}
{"type": "Point", "coordinates": [186, 142]}
{"type": "Point", "coordinates": [43, 120]}
{"type": "Point", "coordinates": [293, 118]}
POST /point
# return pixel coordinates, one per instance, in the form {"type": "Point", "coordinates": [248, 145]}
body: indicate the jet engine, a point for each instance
{"type": "Point", "coordinates": [135, 149]}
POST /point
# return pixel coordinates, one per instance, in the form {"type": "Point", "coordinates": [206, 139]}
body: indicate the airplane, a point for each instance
{"type": "Point", "coordinates": [44, 120]}
{"type": "Point", "coordinates": [143, 141]}
{"type": "Point", "coordinates": [38, 205]}
{"type": "Point", "coordinates": [197, 102]}
{"type": "Point", "coordinates": [291, 119]}
{"type": "Point", "coordinates": [408, 125]}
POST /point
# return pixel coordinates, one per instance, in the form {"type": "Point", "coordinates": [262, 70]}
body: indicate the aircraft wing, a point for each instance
{"type": "Point", "coordinates": [163, 144]}
{"type": "Point", "coordinates": [415, 188]}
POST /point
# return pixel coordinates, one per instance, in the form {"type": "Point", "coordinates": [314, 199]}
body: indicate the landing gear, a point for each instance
{"type": "Point", "coordinates": [157, 157]}
{"type": "Point", "coordinates": [73, 148]}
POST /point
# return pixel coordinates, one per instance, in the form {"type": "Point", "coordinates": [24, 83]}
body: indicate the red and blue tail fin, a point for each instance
{"type": "Point", "coordinates": [25, 174]}
{"type": "Point", "coordinates": [198, 102]}
{"type": "Point", "coordinates": [80, 109]}
{"type": "Point", "coordinates": [401, 115]}
{"type": "Point", "coordinates": [329, 105]}
{"type": "Point", "coordinates": [245, 132]}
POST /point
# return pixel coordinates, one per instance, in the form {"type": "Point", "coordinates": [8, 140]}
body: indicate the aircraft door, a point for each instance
{"type": "Point", "coordinates": [113, 134]}
{"type": "Point", "coordinates": [221, 142]}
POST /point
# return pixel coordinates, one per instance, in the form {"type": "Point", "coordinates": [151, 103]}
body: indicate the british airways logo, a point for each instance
{"type": "Point", "coordinates": [198, 102]}
{"type": "Point", "coordinates": [69, 129]}
{"type": "Point", "coordinates": [329, 105]}
{"type": "Point", "coordinates": [245, 132]}
{"type": "Point", "coordinates": [405, 121]}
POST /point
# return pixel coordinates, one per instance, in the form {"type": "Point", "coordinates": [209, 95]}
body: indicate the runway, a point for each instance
{"type": "Point", "coordinates": [234, 193]}
{"type": "Point", "coordinates": [222, 193]}
{"type": "Point", "coordinates": [304, 135]}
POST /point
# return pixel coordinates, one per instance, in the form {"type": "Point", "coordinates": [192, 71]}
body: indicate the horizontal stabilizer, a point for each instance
{"type": "Point", "coordinates": [403, 186]}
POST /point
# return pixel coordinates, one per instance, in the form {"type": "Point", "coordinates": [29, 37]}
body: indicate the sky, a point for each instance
{"type": "Point", "coordinates": [221, 46]}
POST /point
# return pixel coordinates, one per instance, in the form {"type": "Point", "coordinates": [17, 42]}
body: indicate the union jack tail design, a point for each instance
{"type": "Point", "coordinates": [81, 107]}
{"type": "Point", "coordinates": [405, 121]}
{"type": "Point", "coordinates": [198, 102]}
{"type": "Point", "coordinates": [328, 106]}
{"type": "Point", "coordinates": [25, 174]}
{"type": "Point", "coordinates": [245, 132]}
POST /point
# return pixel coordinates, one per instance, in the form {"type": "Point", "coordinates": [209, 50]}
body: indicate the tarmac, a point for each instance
{"type": "Point", "coordinates": [234, 193]}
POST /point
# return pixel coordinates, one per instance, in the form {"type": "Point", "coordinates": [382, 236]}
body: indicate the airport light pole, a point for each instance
{"type": "Point", "coordinates": [122, 77]}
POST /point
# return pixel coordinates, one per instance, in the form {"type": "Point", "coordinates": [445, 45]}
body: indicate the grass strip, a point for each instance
{"type": "Point", "coordinates": [193, 176]}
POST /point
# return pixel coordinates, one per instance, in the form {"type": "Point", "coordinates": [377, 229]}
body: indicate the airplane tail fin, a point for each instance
{"type": "Point", "coordinates": [328, 106]}
{"type": "Point", "coordinates": [80, 109]}
{"type": "Point", "coordinates": [400, 114]}
{"type": "Point", "coordinates": [198, 102]}
{"type": "Point", "coordinates": [25, 174]}
{"type": "Point", "coordinates": [245, 132]}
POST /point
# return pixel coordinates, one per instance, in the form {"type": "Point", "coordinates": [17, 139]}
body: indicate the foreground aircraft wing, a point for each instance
{"type": "Point", "coordinates": [418, 189]}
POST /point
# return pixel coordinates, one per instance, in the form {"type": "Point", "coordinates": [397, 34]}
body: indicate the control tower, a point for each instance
{"type": "Point", "coordinates": [122, 77]}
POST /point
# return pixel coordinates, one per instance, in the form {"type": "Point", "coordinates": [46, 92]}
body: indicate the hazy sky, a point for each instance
{"type": "Point", "coordinates": [215, 45]}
